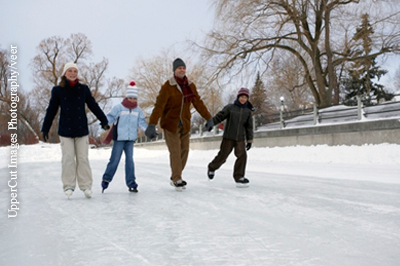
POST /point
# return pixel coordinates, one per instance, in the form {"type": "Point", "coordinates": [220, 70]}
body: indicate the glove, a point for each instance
{"type": "Point", "coordinates": [151, 131]}
{"type": "Point", "coordinates": [210, 124]}
{"type": "Point", "coordinates": [248, 146]}
{"type": "Point", "coordinates": [45, 136]}
{"type": "Point", "coordinates": [105, 126]}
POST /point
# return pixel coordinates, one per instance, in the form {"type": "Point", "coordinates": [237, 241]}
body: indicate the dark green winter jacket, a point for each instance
{"type": "Point", "coordinates": [239, 122]}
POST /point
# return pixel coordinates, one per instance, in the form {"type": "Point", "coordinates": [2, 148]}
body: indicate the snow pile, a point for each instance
{"type": "Point", "coordinates": [382, 154]}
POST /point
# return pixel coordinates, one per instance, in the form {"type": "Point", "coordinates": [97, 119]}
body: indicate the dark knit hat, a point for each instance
{"type": "Point", "coordinates": [178, 63]}
{"type": "Point", "coordinates": [244, 91]}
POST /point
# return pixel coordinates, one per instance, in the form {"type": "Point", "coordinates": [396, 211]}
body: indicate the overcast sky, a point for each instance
{"type": "Point", "coordinates": [119, 30]}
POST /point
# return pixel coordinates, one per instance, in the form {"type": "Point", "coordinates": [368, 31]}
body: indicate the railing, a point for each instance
{"type": "Point", "coordinates": [333, 114]}
{"type": "Point", "coordinates": [310, 117]}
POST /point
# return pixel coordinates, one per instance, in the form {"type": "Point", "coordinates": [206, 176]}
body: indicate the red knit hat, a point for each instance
{"type": "Point", "coordinates": [244, 91]}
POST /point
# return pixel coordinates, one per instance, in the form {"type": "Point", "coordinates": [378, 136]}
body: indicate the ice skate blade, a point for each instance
{"type": "Point", "coordinates": [133, 190]}
{"type": "Point", "coordinates": [239, 185]}
{"type": "Point", "coordinates": [177, 188]}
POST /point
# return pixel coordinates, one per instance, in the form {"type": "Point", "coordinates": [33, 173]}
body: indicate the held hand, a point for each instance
{"type": "Point", "coordinates": [210, 124]}
{"type": "Point", "coordinates": [105, 126]}
{"type": "Point", "coordinates": [248, 146]}
{"type": "Point", "coordinates": [151, 131]}
{"type": "Point", "coordinates": [45, 136]}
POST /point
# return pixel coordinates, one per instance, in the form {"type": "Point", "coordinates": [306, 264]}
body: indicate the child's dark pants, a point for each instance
{"type": "Point", "coordinates": [241, 157]}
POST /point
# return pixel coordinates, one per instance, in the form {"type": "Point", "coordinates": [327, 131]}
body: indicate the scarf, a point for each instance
{"type": "Point", "coordinates": [188, 95]}
{"type": "Point", "coordinates": [126, 103]}
{"type": "Point", "coordinates": [237, 103]}
{"type": "Point", "coordinates": [130, 105]}
{"type": "Point", "coordinates": [72, 83]}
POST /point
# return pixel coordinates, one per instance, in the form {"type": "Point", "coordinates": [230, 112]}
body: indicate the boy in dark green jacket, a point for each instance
{"type": "Point", "coordinates": [238, 135]}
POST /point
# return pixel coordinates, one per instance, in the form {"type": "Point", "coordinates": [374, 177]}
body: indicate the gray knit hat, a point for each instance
{"type": "Point", "coordinates": [131, 90]}
{"type": "Point", "coordinates": [178, 63]}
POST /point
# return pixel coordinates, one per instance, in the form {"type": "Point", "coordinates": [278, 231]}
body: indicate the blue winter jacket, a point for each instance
{"type": "Point", "coordinates": [128, 122]}
{"type": "Point", "coordinates": [71, 102]}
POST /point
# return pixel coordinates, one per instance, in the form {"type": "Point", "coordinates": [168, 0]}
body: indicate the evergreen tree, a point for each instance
{"type": "Point", "coordinates": [260, 101]}
{"type": "Point", "coordinates": [363, 71]}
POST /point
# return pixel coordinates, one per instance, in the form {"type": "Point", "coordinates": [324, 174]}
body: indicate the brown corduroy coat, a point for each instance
{"type": "Point", "coordinates": [171, 107]}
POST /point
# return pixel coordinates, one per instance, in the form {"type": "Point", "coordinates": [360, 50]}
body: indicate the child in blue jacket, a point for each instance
{"type": "Point", "coordinates": [126, 118]}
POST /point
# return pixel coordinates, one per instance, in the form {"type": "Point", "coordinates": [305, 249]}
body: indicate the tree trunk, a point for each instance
{"type": "Point", "coordinates": [332, 79]}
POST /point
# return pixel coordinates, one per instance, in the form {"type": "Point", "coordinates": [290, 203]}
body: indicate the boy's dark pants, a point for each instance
{"type": "Point", "coordinates": [241, 157]}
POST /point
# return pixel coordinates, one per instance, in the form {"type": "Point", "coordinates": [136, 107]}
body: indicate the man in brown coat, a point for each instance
{"type": "Point", "coordinates": [173, 107]}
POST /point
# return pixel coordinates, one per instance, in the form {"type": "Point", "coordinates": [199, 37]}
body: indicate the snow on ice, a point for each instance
{"type": "Point", "coordinates": [305, 206]}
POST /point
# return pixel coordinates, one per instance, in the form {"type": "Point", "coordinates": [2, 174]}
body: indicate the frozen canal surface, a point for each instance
{"type": "Point", "coordinates": [299, 210]}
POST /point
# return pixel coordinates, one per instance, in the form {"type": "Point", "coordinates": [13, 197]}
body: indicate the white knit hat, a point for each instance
{"type": "Point", "coordinates": [67, 66]}
{"type": "Point", "coordinates": [131, 90]}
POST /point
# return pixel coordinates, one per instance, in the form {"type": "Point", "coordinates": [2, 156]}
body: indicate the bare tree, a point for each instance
{"type": "Point", "coordinates": [208, 89]}
{"type": "Point", "coordinates": [287, 80]}
{"type": "Point", "coordinates": [231, 96]}
{"type": "Point", "coordinates": [52, 54]}
{"type": "Point", "coordinates": [115, 88]}
{"type": "Point", "coordinates": [93, 75]}
{"type": "Point", "coordinates": [151, 74]}
{"type": "Point", "coordinates": [252, 32]}
{"type": "Point", "coordinates": [28, 125]}
{"type": "Point", "coordinates": [4, 73]}
{"type": "Point", "coordinates": [28, 120]}
{"type": "Point", "coordinates": [48, 63]}
{"type": "Point", "coordinates": [79, 47]}
{"type": "Point", "coordinates": [47, 66]}
{"type": "Point", "coordinates": [397, 81]}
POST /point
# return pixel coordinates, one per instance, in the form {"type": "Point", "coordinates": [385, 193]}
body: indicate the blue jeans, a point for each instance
{"type": "Point", "coordinates": [118, 147]}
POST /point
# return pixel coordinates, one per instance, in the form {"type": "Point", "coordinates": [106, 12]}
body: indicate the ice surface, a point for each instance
{"type": "Point", "coordinates": [305, 206]}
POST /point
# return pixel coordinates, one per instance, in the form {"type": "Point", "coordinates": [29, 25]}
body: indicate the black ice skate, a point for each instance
{"type": "Point", "coordinates": [133, 187]}
{"type": "Point", "coordinates": [210, 174]}
{"type": "Point", "coordinates": [104, 185]}
{"type": "Point", "coordinates": [179, 185]}
{"type": "Point", "coordinates": [242, 182]}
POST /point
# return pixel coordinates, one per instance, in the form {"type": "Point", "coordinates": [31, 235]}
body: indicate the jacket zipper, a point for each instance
{"type": "Point", "coordinates": [180, 114]}
{"type": "Point", "coordinates": [238, 128]}
{"type": "Point", "coordinates": [129, 130]}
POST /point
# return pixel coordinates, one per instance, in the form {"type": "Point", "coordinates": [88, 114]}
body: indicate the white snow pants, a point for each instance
{"type": "Point", "coordinates": [75, 163]}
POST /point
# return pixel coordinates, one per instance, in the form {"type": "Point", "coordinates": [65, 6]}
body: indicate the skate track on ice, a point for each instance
{"type": "Point", "coordinates": [306, 218]}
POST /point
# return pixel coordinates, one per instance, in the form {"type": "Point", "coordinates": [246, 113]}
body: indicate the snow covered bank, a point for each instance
{"type": "Point", "coordinates": [383, 154]}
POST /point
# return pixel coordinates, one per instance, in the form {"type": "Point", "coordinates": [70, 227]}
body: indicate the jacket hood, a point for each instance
{"type": "Point", "coordinates": [172, 81]}
{"type": "Point", "coordinates": [250, 106]}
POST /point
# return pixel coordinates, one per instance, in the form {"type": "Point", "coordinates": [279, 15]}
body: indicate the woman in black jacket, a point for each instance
{"type": "Point", "coordinates": [70, 96]}
{"type": "Point", "coordinates": [238, 135]}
